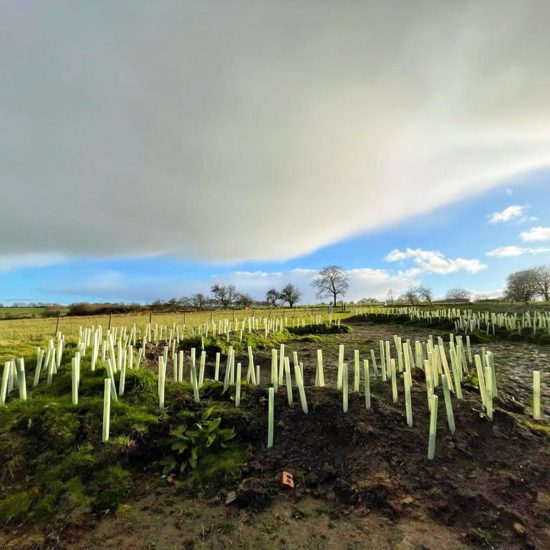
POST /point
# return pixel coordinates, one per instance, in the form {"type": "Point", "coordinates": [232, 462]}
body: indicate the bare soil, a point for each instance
{"type": "Point", "coordinates": [362, 478]}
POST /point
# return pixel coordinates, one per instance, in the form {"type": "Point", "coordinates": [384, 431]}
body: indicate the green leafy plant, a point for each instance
{"type": "Point", "coordinates": [189, 443]}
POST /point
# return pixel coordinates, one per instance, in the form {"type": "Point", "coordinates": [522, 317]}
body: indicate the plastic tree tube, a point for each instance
{"type": "Point", "coordinates": [320, 371]}
{"type": "Point", "coordinates": [109, 368]}
{"type": "Point", "coordinates": [217, 367]}
{"type": "Point", "coordinates": [382, 360]}
{"type": "Point", "coordinates": [340, 366]}
{"type": "Point", "coordinates": [388, 360]}
{"type": "Point", "coordinates": [238, 386]}
{"type": "Point", "coordinates": [491, 363]}
{"type": "Point", "coordinates": [536, 395]}
{"type": "Point", "coordinates": [232, 367]}
{"type": "Point", "coordinates": [270, 416]}
{"type": "Point", "coordinates": [106, 409]}
{"type": "Point", "coordinates": [281, 364]}
{"type": "Point", "coordinates": [274, 373]}
{"type": "Point", "coordinates": [345, 387]}
{"type": "Point", "coordinates": [407, 380]}
{"type": "Point", "coordinates": [74, 381]}
{"type": "Point", "coordinates": [180, 366]}
{"type": "Point", "coordinates": [489, 385]}
{"type": "Point", "coordinates": [193, 360]}
{"type": "Point", "coordinates": [251, 371]}
{"type": "Point", "coordinates": [373, 359]}
{"type": "Point", "coordinates": [39, 359]}
{"type": "Point", "coordinates": [201, 368]}
{"type": "Point", "coordinates": [429, 382]}
{"type": "Point", "coordinates": [227, 369]}
{"type": "Point", "coordinates": [175, 366]}
{"type": "Point", "coordinates": [4, 387]}
{"type": "Point", "coordinates": [481, 380]}
{"type": "Point", "coordinates": [433, 426]}
{"type": "Point", "coordinates": [301, 390]}
{"type": "Point", "coordinates": [357, 373]}
{"type": "Point", "coordinates": [288, 380]}
{"type": "Point", "coordinates": [367, 383]}
{"type": "Point", "coordinates": [448, 403]}
{"type": "Point", "coordinates": [122, 378]}
{"type": "Point", "coordinates": [195, 383]}
{"type": "Point", "coordinates": [22, 380]}
{"type": "Point", "coordinates": [393, 381]}
{"type": "Point", "coordinates": [161, 381]}
{"type": "Point", "coordinates": [455, 365]}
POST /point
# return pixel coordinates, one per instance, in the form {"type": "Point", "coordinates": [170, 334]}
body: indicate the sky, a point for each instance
{"type": "Point", "coordinates": [148, 150]}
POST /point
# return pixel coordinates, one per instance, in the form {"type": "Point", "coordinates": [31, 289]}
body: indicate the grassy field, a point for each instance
{"type": "Point", "coordinates": [20, 337]}
{"type": "Point", "coordinates": [23, 312]}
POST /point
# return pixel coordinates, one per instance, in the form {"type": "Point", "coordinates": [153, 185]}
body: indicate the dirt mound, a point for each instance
{"type": "Point", "coordinates": [484, 482]}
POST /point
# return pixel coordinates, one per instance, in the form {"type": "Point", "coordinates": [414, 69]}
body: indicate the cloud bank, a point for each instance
{"type": "Point", "coordinates": [246, 131]}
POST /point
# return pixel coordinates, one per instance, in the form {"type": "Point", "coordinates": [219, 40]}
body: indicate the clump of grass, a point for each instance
{"type": "Point", "coordinates": [216, 470]}
{"type": "Point", "coordinates": [110, 487]}
{"type": "Point", "coordinates": [15, 507]}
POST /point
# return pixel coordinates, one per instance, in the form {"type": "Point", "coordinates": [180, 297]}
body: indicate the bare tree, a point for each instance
{"type": "Point", "coordinates": [244, 300]}
{"type": "Point", "coordinates": [199, 301]}
{"type": "Point", "coordinates": [331, 282]}
{"type": "Point", "coordinates": [424, 293]}
{"type": "Point", "coordinates": [272, 296]}
{"type": "Point", "coordinates": [541, 274]}
{"type": "Point", "coordinates": [390, 296]}
{"type": "Point", "coordinates": [521, 286]}
{"type": "Point", "coordinates": [458, 295]}
{"type": "Point", "coordinates": [409, 296]}
{"type": "Point", "coordinates": [224, 295]}
{"type": "Point", "coordinates": [290, 294]}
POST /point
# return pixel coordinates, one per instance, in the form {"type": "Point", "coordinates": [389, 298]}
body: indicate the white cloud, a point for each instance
{"type": "Point", "coordinates": [112, 285]}
{"type": "Point", "coordinates": [510, 251]}
{"type": "Point", "coordinates": [10, 262]}
{"type": "Point", "coordinates": [237, 130]}
{"type": "Point", "coordinates": [536, 234]}
{"type": "Point", "coordinates": [510, 213]}
{"type": "Point", "coordinates": [433, 261]}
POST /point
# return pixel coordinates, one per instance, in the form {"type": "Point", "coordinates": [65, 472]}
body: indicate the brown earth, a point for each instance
{"type": "Point", "coordinates": [362, 478]}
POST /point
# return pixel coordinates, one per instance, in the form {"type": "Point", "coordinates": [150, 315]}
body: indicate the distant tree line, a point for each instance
{"type": "Point", "coordinates": [330, 282]}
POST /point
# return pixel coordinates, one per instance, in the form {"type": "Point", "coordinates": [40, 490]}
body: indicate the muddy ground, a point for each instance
{"type": "Point", "coordinates": [362, 479]}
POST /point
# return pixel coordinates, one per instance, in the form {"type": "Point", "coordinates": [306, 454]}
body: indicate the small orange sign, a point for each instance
{"type": "Point", "coordinates": [286, 480]}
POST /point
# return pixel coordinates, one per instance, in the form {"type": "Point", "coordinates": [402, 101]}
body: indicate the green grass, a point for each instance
{"type": "Point", "coordinates": [20, 337]}
{"type": "Point", "coordinates": [24, 312]}
{"type": "Point", "coordinates": [51, 450]}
